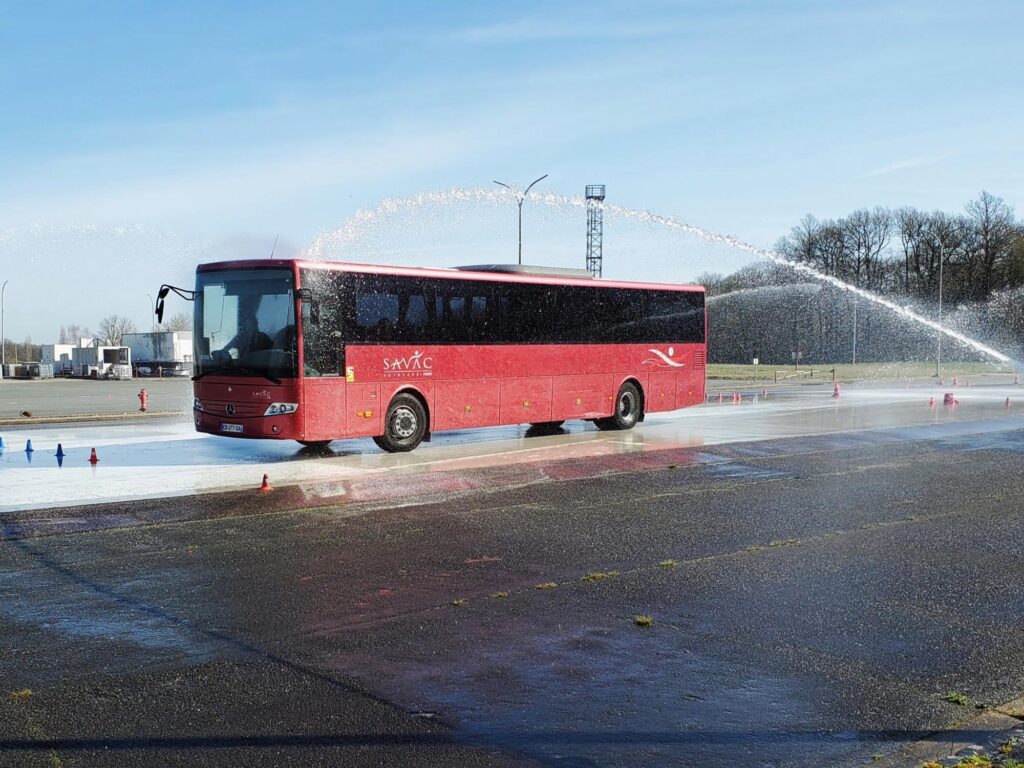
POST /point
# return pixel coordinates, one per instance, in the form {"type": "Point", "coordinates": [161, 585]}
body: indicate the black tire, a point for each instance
{"type": "Point", "coordinates": [316, 445]}
{"type": "Point", "coordinates": [542, 426]}
{"type": "Point", "coordinates": [405, 424]}
{"type": "Point", "coordinates": [627, 409]}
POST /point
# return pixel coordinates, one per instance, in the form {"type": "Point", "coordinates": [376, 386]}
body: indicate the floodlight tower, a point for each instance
{"type": "Point", "coordinates": [595, 227]}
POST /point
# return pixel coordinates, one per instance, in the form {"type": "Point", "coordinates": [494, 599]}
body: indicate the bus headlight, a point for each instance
{"type": "Point", "coordinates": [276, 409]}
{"type": "Point", "coordinates": [197, 404]}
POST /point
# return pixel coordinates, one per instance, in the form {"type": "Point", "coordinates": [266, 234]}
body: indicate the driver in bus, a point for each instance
{"type": "Point", "coordinates": [249, 337]}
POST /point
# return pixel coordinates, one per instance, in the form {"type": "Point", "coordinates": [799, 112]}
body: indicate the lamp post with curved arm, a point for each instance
{"type": "Point", "coordinates": [3, 339]}
{"type": "Point", "coordinates": [152, 317]}
{"type": "Point", "coordinates": [520, 198]}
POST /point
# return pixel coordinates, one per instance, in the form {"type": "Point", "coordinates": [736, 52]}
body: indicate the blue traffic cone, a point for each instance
{"type": "Point", "coordinates": [28, 447]}
{"type": "Point", "coordinates": [60, 459]}
{"type": "Point", "coordinates": [2, 446]}
{"type": "Point", "coordinates": [60, 451]}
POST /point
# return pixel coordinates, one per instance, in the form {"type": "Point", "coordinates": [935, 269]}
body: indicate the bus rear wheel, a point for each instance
{"type": "Point", "coordinates": [405, 424]}
{"type": "Point", "coordinates": [627, 409]}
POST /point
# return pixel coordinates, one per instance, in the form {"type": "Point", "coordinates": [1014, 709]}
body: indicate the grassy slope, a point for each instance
{"type": "Point", "coordinates": [849, 371]}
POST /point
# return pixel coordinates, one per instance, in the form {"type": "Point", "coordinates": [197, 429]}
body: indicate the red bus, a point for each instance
{"type": "Point", "coordinates": [319, 351]}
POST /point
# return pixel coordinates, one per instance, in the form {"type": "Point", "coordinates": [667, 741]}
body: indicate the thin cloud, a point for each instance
{"type": "Point", "coordinates": [902, 165]}
{"type": "Point", "coordinates": [546, 29]}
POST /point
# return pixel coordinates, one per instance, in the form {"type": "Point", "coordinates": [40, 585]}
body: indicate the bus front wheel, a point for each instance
{"type": "Point", "coordinates": [316, 445]}
{"type": "Point", "coordinates": [545, 427]}
{"type": "Point", "coordinates": [627, 409]}
{"type": "Point", "coordinates": [405, 424]}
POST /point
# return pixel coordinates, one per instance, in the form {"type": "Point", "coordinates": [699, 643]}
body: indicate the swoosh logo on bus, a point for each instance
{"type": "Point", "coordinates": [662, 358]}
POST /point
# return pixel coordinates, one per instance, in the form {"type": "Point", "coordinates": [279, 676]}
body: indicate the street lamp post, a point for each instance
{"type": "Point", "coordinates": [854, 330]}
{"type": "Point", "coordinates": [3, 339]}
{"type": "Point", "coordinates": [938, 355]}
{"type": "Point", "coordinates": [520, 198]}
{"type": "Point", "coordinates": [152, 316]}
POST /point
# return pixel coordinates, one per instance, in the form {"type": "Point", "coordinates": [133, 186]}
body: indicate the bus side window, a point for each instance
{"type": "Point", "coordinates": [414, 319]}
{"type": "Point", "coordinates": [455, 323]}
{"type": "Point", "coordinates": [377, 314]}
{"type": "Point", "coordinates": [322, 350]}
{"type": "Point", "coordinates": [526, 314]}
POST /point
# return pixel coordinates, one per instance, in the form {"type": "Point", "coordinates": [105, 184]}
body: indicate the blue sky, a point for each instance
{"type": "Point", "coordinates": [136, 140]}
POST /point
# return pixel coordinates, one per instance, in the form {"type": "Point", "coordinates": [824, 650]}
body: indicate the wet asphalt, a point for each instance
{"type": "Point", "coordinates": [49, 398]}
{"type": "Point", "coordinates": [811, 602]}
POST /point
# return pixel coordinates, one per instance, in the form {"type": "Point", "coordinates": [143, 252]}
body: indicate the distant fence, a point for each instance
{"type": "Point", "coordinates": [783, 375]}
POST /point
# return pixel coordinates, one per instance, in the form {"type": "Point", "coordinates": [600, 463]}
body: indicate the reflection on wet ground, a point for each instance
{"type": "Point", "coordinates": [161, 459]}
{"type": "Point", "coordinates": [812, 596]}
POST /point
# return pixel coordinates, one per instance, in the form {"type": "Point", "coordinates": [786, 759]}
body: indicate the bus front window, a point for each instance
{"type": "Point", "coordinates": [245, 323]}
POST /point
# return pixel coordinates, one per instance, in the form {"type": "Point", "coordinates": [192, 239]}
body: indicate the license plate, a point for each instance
{"type": "Point", "coordinates": [230, 427]}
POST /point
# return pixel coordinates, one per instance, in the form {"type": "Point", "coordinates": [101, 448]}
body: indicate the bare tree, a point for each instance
{"type": "Point", "coordinates": [76, 332]}
{"type": "Point", "coordinates": [181, 321]}
{"type": "Point", "coordinates": [994, 229]}
{"type": "Point", "coordinates": [113, 329]}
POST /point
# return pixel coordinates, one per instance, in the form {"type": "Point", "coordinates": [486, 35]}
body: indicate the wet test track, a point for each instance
{"type": "Point", "coordinates": [835, 569]}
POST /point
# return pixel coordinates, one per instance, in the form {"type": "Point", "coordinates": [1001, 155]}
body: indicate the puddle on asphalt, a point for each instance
{"type": "Point", "coordinates": [735, 471]}
{"type": "Point", "coordinates": [81, 608]}
{"type": "Point", "coordinates": [619, 696]}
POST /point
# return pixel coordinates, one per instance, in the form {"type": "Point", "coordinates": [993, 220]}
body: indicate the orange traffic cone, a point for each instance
{"type": "Point", "coordinates": [93, 458]}
{"type": "Point", "coordinates": [719, 397]}
{"type": "Point", "coordinates": [931, 402]}
{"type": "Point", "coordinates": [835, 390]}
{"type": "Point", "coordinates": [265, 487]}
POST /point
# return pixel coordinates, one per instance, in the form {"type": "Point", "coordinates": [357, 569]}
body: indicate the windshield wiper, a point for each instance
{"type": "Point", "coordinates": [229, 369]}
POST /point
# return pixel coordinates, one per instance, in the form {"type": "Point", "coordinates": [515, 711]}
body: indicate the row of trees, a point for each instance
{"type": "Point", "coordinates": [15, 352]}
{"type": "Point", "coordinates": [114, 327]}
{"type": "Point", "coordinates": [773, 311]}
{"type": "Point", "coordinates": [898, 252]}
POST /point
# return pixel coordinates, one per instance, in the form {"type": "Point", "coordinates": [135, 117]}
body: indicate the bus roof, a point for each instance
{"type": "Point", "coordinates": [447, 273]}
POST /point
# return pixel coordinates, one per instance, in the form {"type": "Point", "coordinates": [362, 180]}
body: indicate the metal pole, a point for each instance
{"type": "Point", "coordinates": [938, 356]}
{"type": "Point", "coordinates": [3, 338]}
{"type": "Point", "coordinates": [855, 331]}
{"type": "Point", "coordinates": [152, 316]}
{"type": "Point", "coordinates": [520, 199]}
{"type": "Point", "coordinates": [521, 231]}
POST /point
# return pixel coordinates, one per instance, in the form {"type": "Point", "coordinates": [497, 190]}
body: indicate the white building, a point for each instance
{"type": "Point", "coordinates": [92, 360]}
{"type": "Point", "coordinates": [161, 353]}
{"type": "Point", "coordinates": [60, 356]}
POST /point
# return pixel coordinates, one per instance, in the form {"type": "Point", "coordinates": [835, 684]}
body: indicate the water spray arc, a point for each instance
{"type": "Point", "coordinates": [733, 242]}
{"type": "Point", "coordinates": [350, 230]}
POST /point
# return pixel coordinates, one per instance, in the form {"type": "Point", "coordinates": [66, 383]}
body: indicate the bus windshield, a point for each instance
{"type": "Point", "coordinates": [245, 323]}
